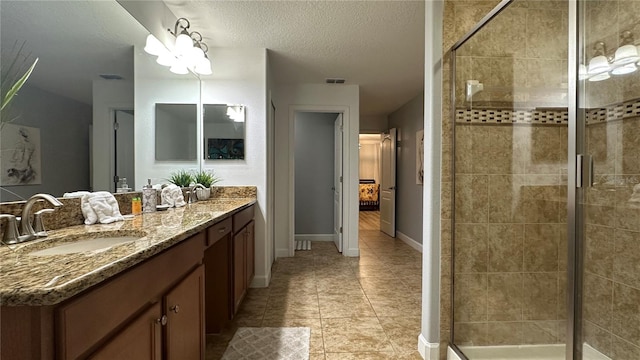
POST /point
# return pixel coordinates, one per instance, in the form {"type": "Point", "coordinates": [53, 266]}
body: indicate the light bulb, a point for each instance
{"type": "Point", "coordinates": [153, 46]}
{"type": "Point", "coordinates": [179, 68]}
{"type": "Point", "coordinates": [598, 65]}
{"type": "Point", "coordinates": [626, 54]}
{"type": "Point", "coordinates": [184, 43]}
{"type": "Point", "coordinates": [626, 69]}
{"type": "Point", "coordinates": [166, 59]}
{"type": "Point", "coordinates": [204, 66]}
{"type": "Point", "coordinates": [600, 77]}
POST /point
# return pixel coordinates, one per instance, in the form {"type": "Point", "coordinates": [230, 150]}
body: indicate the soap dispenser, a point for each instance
{"type": "Point", "coordinates": [149, 198]}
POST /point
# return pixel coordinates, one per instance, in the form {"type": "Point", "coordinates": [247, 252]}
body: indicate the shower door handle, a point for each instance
{"type": "Point", "coordinates": [584, 169]}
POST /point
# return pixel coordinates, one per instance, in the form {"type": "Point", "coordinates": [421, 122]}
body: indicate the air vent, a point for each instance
{"type": "Point", "coordinates": [111, 76]}
{"type": "Point", "coordinates": [335, 81]}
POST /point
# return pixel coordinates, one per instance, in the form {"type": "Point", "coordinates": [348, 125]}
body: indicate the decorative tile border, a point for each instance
{"type": "Point", "coordinates": [614, 112]}
{"type": "Point", "coordinates": [512, 116]}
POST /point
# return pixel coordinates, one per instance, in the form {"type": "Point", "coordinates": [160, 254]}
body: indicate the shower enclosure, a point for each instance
{"type": "Point", "coordinates": [546, 182]}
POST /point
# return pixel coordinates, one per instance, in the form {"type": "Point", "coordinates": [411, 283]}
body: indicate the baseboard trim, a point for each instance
{"type": "Point", "coordinates": [259, 282]}
{"type": "Point", "coordinates": [280, 253]}
{"type": "Point", "coordinates": [409, 241]}
{"type": "Point", "coordinates": [428, 351]}
{"type": "Point", "coordinates": [351, 252]}
{"type": "Point", "coordinates": [314, 237]}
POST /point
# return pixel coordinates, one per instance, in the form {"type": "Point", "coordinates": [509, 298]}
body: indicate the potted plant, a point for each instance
{"type": "Point", "coordinates": [206, 178]}
{"type": "Point", "coordinates": [182, 178]}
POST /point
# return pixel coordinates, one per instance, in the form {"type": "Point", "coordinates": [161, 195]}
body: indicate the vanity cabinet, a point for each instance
{"type": "Point", "coordinates": [243, 255]}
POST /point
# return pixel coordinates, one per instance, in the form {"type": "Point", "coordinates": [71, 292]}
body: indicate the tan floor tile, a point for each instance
{"type": "Point", "coordinates": [398, 306]}
{"type": "Point", "coordinates": [317, 356]}
{"type": "Point", "coordinates": [330, 286]}
{"type": "Point", "coordinates": [377, 271]}
{"type": "Point", "coordinates": [361, 356]}
{"type": "Point", "coordinates": [383, 286]}
{"type": "Point", "coordinates": [344, 306]}
{"type": "Point", "coordinates": [402, 332]}
{"type": "Point", "coordinates": [354, 335]}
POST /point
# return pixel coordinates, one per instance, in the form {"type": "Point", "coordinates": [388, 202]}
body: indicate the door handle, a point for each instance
{"type": "Point", "coordinates": [333, 188]}
{"type": "Point", "coordinates": [392, 188]}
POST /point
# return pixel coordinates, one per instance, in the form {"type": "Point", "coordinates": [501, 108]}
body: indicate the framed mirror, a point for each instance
{"type": "Point", "coordinates": [223, 129]}
{"type": "Point", "coordinates": [176, 129]}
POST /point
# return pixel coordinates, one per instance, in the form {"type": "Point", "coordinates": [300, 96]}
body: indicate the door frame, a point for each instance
{"type": "Point", "coordinates": [349, 224]}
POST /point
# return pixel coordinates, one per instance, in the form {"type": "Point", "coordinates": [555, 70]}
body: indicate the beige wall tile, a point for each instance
{"type": "Point", "coordinates": [504, 296]}
{"type": "Point", "coordinates": [470, 334]}
{"type": "Point", "coordinates": [599, 248]}
{"type": "Point", "coordinates": [470, 303]}
{"type": "Point", "coordinates": [471, 199]}
{"type": "Point", "coordinates": [626, 313]}
{"type": "Point", "coordinates": [505, 333]}
{"type": "Point", "coordinates": [471, 248]}
{"type": "Point", "coordinates": [541, 246]}
{"type": "Point", "coordinates": [602, 142]}
{"type": "Point", "coordinates": [623, 349]}
{"type": "Point", "coordinates": [546, 34]}
{"type": "Point", "coordinates": [540, 332]}
{"type": "Point", "coordinates": [597, 337]}
{"type": "Point", "coordinates": [506, 247]}
{"type": "Point", "coordinates": [626, 267]}
{"type": "Point", "coordinates": [630, 136]}
{"type": "Point", "coordinates": [598, 296]}
{"type": "Point", "coordinates": [540, 296]}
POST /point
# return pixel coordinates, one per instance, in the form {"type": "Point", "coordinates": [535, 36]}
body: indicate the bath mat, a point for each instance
{"type": "Point", "coordinates": [269, 343]}
{"type": "Point", "coordinates": [303, 244]}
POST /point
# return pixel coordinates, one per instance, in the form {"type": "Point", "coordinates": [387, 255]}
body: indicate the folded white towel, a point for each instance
{"type": "Point", "coordinates": [75, 194]}
{"type": "Point", "coordinates": [172, 196]}
{"type": "Point", "coordinates": [100, 206]}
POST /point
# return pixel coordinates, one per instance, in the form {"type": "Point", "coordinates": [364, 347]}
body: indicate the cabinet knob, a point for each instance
{"type": "Point", "coordinates": [162, 321]}
{"type": "Point", "coordinates": [175, 308]}
{"type": "Point", "coordinates": [222, 230]}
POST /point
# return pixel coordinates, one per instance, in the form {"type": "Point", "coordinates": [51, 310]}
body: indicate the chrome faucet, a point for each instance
{"type": "Point", "coordinates": [192, 192]}
{"type": "Point", "coordinates": [27, 224]}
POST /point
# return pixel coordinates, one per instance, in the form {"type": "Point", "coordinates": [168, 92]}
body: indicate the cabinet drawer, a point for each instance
{"type": "Point", "coordinates": [242, 218]}
{"type": "Point", "coordinates": [218, 231]}
{"type": "Point", "coordinates": [88, 319]}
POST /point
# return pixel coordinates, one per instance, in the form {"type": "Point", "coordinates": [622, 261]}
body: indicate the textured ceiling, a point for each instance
{"type": "Point", "coordinates": [378, 45]}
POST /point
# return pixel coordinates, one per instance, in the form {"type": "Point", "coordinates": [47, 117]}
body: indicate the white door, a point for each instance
{"type": "Point", "coordinates": [337, 184]}
{"type": "Point", "coordinates": [388, 184]}
{"type": "Point", "coordinates": [123, 138]}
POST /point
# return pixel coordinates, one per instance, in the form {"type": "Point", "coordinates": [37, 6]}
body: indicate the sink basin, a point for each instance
{"type": "Point", "coordinates": [85, 245]}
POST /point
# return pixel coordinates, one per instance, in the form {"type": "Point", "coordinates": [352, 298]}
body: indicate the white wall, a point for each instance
{"type": "Point", "coordinates": [373, 124]}
{"type": "Point", "coordinates": [107, 96]}
{"type": "Point", "coordinates": [249, 88]}
{"type": "Point", "coordinates": [316, 98]}
{"type": "Point", "coordinates": [156, 84]}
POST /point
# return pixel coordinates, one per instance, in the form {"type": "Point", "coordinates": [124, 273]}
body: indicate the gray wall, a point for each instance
{"type": "Point", "coordinates": [64, 138]}
{"type": "Point", "coordinates": [314, 152]}
{"type": "Point", "coordinates": [408, 120]}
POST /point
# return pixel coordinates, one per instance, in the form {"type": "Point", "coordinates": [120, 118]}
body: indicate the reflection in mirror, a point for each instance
{"type": "Point", "coordinates": [223, 131]}
{"type": "Point", "coordinates": [176, 131]}
{"type": "Point", "coordinates": [84, 70]}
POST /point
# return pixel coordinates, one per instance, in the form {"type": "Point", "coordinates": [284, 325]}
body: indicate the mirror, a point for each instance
{"type": "Point", "coordinates": [223, 127]}
{"type": "Point", "coordinates": [85, 57]}
{"type": "Point", "coordinates": [176, 128]}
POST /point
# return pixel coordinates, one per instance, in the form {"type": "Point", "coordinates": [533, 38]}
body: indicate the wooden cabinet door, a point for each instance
{"type": "Point", "coordinates": [250, 251]}
{"type": "Point", "coordinates": [141, 339]}
{"type": "Point", "coordinates": [184, 307]}
{"type": "Point", "coordinates": [218, 299]}
{"type": "Point", "coordinates": [239, 269]}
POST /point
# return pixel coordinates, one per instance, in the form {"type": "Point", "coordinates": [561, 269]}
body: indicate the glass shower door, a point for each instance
{"type": "Point", "coordinates": [609, 104]}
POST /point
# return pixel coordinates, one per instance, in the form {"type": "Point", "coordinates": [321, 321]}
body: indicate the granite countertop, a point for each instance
{"type": "Point", "coordinates": [30, 280]}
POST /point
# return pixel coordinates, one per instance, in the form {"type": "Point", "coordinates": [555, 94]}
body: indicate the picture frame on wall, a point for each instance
{"type": "Point", "coordinates": [20, 155]}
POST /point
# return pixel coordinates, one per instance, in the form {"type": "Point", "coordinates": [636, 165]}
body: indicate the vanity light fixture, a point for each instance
{"type": "Point", "coordinates": [624, 60]}
{"type": "Point", "coordinates": [189, 51]}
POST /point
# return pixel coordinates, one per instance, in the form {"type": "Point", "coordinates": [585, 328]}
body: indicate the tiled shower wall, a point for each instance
{"type": "Point", "coordinates": [510, 234]}
{"type": "Point", "coordinates": [612, 245]}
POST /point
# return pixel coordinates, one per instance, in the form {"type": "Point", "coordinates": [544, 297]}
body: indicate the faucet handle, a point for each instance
{"type": "Point", "coordinates": [11, 231]}
{"type": "Point", "coordinates": [38, 224]}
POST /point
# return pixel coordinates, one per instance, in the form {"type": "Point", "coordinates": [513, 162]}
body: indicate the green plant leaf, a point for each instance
{"type": "Point", "coordinates": [16, 87]}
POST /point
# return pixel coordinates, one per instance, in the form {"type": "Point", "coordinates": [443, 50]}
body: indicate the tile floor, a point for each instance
{"type": "Point", "coordinates": [357, 308]}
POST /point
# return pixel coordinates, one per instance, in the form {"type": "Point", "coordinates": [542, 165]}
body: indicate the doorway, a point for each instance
{"type": "Point", "coordinates": [123, 145]}
{"type": "Point", "coordinates": [318, 178]}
